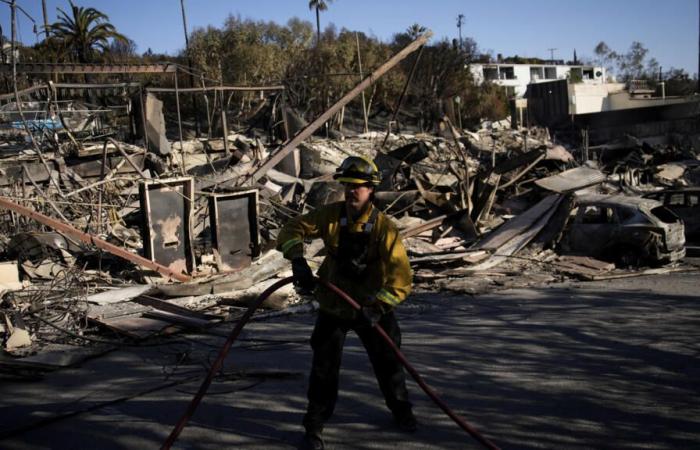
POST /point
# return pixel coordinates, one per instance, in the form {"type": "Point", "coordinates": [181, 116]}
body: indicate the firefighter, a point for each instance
{"type": "Point", "coordinates": [366, 259]}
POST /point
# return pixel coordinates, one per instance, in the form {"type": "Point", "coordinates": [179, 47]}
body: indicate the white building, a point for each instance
{"type": "Point", "coordinates": [6, 50]}
{"type": "Point", "coordinates": [585, 99]}
{"type": "Point", "coordinates": [516, 77]}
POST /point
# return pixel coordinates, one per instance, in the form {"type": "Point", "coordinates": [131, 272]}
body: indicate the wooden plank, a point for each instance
{"type": "Point", "coordinates": [115, 310]}
{"type": "Point", "coordinates": [471, 256]}
{"type": "Point", "coordinates": [21, 93]}
{"type": "Point", "coordinates": [52, 68]}
{"type": "Point", "coordinates": [166, 306]}
{"type": "Point", "coordinates": [177, 319]}
{"type": "Point", "coordinates": [135, 326]}
{"type": "Point", "coordinates": [518, 242]}
{"type": "Point", "coordinates": [517, 225]}
{"type": "Point", "coordinates": [486, 199]}
{"type": "Point", "coordinates": [432, 224]}
{"type": "Point", "coordinates": [659, 271]}
{"type": "Point", "coordinates": [587, 261]}
{"type": "Point", "coordinates": [572, 180]}
{"type": "Point", "coordinates": [582, 272]}
{"type": "Point", "coordinates": [145, 316]}
{"type": "Point", "coordinates": [519, 161]}
{"type": "Point", "coordinates": [195, 303]}
{"type": "Point", "coordinates": [326, 116]}
{"type": "Point", "coordinates": [121, 295]}
{"type": "Point", "coordinates": [219, 89]}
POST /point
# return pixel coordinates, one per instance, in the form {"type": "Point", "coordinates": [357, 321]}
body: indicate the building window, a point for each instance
{"type": "Point", "coordinates": [550, 73]}
{"type": "Point", "coordinates": [536, 73]}
{"type": "Point", "coordinates": [588, 74]}
{"type": "Point", "coordinates": [507, 73]}
{"type": "Point", "coordinates": [490, 73]}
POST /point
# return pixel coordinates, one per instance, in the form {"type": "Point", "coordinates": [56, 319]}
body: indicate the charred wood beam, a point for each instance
{"type": "Point", "coordinates": [519, 161]}
{"type": "Point", "coordinates": [432, 224]}
{"type": "Point", "coordinates": [326, 116]}
{"type": "Point", "coordinates": [218, 88]}
{"type": "Point", "coordinates": [397, 108]}
{"type": "Point", "coordinates": [22, 93]}
{"type": "Point", "coordinates": [88, 68]}
{"type": "Point", "coordinates": [522, 173]}
{"type": "Point", "coordinates": [76, 234]}
{"type": "Point", "coordinates": [96, 86]}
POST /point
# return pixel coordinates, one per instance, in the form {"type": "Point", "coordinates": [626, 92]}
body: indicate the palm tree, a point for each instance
{"type": "Point", "coordinates": [85, 31]}
{"type": "Point", "coordinates": [415, 30]}
{"type": "Point", "coordinates": [319, 5]}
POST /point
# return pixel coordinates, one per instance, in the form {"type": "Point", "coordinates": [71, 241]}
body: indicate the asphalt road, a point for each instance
{"type": "Point", "coordinates": [586, 365]}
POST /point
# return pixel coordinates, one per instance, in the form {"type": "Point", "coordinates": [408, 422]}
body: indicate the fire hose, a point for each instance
{"type": "Point", "coordinates": [218, 363]}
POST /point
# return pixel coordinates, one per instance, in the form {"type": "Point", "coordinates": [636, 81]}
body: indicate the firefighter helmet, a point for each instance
{"type": "Point", "coordinates": [358, 170]}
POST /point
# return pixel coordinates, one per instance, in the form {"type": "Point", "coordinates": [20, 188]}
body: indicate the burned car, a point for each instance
{"type": "Point", "coordinates": [685, 203]}
{"type": "Point", "coordinates": [625, 230]}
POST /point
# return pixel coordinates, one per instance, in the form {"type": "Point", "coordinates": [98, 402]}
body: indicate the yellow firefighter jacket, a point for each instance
{"type": "Point", "coordinates": [388, 276]}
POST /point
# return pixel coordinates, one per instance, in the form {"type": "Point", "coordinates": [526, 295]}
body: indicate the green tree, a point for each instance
{"type": "Point", "coordinates": [83, 32]}
{"type": "Point", "coordinates": [679, 82]}
{"type": "Point", "coordinates": [319, 5]}
{"type": "Point", "coordinates": [605, 57]}
{"type": "Point", "coordinates": [632, 65]}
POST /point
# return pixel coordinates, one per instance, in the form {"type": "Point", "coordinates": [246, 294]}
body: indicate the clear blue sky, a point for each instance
{"type": "Point", "coordinates": [526, 28]}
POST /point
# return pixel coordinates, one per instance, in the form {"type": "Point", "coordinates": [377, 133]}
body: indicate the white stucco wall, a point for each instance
{"type": "Point", "coordinates": [587, 98]}
{"type": "Point", "coordinates": [523, 76]}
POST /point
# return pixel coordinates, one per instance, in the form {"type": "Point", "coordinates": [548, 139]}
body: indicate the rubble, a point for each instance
{"type": "Point", "coordinates": [111, 236]}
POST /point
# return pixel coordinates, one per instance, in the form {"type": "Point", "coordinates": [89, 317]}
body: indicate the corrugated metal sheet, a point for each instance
{"type": "Point", "coordinates": [572, 180]}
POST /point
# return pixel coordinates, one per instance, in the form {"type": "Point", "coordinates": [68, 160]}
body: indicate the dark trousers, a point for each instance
{"type": "Point", "coordinates": [327, 343]}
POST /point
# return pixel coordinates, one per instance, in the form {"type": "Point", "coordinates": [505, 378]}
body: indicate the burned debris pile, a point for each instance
{"type": "Point", "coordinates": [113, 231]}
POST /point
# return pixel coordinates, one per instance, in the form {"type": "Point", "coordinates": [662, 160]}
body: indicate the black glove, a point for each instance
{"type": "Point", "coordinates": [303, 276]}
{"type": "Point", "coordinates": [371, 314]}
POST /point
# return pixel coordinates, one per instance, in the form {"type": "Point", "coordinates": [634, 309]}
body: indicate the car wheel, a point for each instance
{"type": "Point", "coordinates": [627, 257]}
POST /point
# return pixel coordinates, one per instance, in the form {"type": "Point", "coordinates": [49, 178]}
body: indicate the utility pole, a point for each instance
{"type": "Point", "coordinates": [2, 51]}
{"type": "Point", "coordinates": [13, 27]}
{"type": "Point", "coordinates": [198, 125]}
{"type": "Point", "coordinates": [364, 102]}
{"type": "Point", "coordinates": [46, 19]}
{"type": "Point", "coordinates": [551, 54]}
{"type": "Point", "coordinates": [13, 57]}
{"type": "Point", "coordinates": [460, 22]}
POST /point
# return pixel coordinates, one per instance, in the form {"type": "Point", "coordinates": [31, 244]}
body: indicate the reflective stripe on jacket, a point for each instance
{"type": "Point", "coordinates": [388, 275]}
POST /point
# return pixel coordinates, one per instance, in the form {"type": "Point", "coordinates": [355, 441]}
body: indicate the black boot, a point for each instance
{"type": "Point", "coordinates": [406, 421]}
{"type": "Point", "coordinates": [312, 441]}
